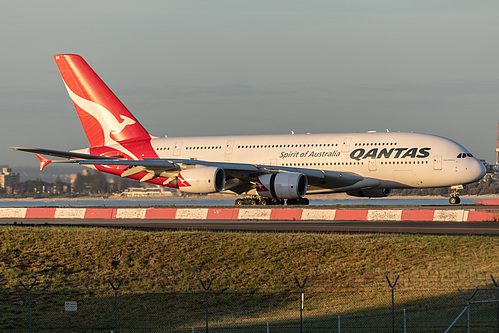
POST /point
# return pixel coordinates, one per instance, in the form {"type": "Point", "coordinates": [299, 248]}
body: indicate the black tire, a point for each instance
{"type": "Point", "coordinates": [277, 202]}
{"type": "Point", "coordinates": [454, 200]}
{"type": "Point", "coordinates": [304, 202]}
{"type": "Point", "coordinates": [239, 202]}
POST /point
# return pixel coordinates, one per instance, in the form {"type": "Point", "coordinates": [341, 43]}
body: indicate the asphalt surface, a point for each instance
{"type": "Point", "coordinates": [405, 227]}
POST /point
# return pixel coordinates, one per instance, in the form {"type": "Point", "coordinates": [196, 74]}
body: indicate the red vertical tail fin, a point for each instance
{"type": "Point", "coordinates": [104, 118]}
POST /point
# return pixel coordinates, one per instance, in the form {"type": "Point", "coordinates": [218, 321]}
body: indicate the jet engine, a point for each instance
{"type": "Point", "coordinates": [283, 185]}
{"type": "Point", "coordinates": [372, 193]}
{"type": "Point", "coordinates": [201, 180]}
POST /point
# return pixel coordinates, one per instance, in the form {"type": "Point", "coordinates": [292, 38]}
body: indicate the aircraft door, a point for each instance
{"type": "Point", "coordinates": [372, 165]}
{"type": "Point", "coordinates": [229, 148]}
{"type": "Point", "coordinates": [437, 163]}
{"type": "Point", "coordinates": [346, 145]}
{"type": "Point", "coordinates": [177, 149]}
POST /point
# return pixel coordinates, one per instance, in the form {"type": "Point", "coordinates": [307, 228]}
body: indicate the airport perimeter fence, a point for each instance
{"type": "Point", "coordinates": [418, 302]}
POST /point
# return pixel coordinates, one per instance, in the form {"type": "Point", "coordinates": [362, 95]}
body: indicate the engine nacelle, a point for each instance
{"type": "Point", "coordinates": [372, 193]}
{"type": "Point", "coordinates": [284, 185]}
{"type": "Point", "coordinates": [201, 180]}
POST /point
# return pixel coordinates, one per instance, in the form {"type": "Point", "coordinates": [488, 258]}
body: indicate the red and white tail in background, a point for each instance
{"type": "Point", "coordinates": [106, 121]}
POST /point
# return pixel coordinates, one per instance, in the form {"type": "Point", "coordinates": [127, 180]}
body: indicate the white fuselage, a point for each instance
{"type": "Point", "coordinates": [385, 160]}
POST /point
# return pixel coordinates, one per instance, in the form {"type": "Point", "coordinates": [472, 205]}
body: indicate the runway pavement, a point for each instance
{"type": "Point", "coordinates": [410, 227]}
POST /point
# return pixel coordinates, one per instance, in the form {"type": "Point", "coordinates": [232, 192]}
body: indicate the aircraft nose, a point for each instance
{"type": "Point", "coordinates": [477, 170]}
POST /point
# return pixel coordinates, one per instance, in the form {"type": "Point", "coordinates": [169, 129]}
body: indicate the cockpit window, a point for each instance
{"type": "Point", "coordinates": [469, 155]}
{"type": "Point", "coordinates": [464, 155]}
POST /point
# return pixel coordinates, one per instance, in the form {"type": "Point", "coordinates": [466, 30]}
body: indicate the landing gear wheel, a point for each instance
{"type": "Point", "coordinates": [262, 201]}
{"type": "Point", "coordinates": [303, 201]}
{"type": "Point", "coordinates": [298, 202]}
{"type": "Point", "coordinates": [454, 194]}
{"type": "Point", "coordinates": [277, 202]}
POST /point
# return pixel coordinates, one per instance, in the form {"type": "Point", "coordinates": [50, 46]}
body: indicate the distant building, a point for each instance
{"type": "Point", "coordinates": [141, 192]}
{"type": "Point", "coordinates": [8, 179]}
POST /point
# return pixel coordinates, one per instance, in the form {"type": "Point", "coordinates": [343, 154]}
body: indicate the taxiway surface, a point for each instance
{"type": "Point", "coordinates": [409, 227]}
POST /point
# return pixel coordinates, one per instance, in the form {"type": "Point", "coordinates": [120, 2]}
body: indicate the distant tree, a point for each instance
{"type": "Point", "coordinates": [93, 183]}
{"type": "Point", "coordinates": [79, 185]}
{"type": "Point", "coordinates": [98, 183]}
{"type": "Point", "coordinates": [119, 184]}
{"type": "Point", "coordinates": [59, 185]}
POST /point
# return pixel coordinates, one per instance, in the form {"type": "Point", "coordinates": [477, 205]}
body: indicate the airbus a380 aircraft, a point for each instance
{"type": "Point", "coordinates": [266, 168]}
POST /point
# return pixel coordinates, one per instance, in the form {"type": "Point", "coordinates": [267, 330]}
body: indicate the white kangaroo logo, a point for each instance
{"type": "Point", "coordinates": [121, 126]}
{"type": "Point", "coordinates": [110, 125]}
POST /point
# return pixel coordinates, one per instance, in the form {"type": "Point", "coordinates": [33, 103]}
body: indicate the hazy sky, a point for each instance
{"type": "Point", "coordinates": [188, 68]}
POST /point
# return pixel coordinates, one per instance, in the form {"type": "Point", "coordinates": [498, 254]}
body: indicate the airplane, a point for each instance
{"type": "Point", "coordinates": [264, 169]}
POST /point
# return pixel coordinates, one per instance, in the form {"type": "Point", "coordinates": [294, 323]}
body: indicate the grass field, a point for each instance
{"type": "Point", "coordinates": [253, 278]}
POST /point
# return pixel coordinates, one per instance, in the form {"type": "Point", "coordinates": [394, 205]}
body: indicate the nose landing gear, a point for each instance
{"type": "Point", "coordinates": [454, 194]}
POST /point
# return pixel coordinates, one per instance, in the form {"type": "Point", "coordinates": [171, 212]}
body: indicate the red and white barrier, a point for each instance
{"type": "Point", "coordinates": [492, 202]}
{"type": "Point", "coordinates": [271, 214]}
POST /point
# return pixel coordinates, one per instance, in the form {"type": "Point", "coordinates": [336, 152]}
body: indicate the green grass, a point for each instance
{"type": "Point", "coordinates": [253, 278]}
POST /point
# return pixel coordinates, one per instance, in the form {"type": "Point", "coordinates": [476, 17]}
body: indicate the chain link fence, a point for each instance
{"type": "Point", "coordinates": [423, 301]}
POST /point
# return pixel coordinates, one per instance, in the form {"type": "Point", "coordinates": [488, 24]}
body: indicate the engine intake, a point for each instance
{"type": "Point", "coordinates": [372, 193]}
{"type": "Point", "coordinates": [201, 180]}
{"type": "Point", "coordinates": [283, 185]}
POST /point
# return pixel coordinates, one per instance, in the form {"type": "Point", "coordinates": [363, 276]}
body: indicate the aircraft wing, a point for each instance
{"type": "Point", "coordinates": [62, 153]}
{"type": "Point", "coordinates": [243, 171]}
{"type": "Point", "coordinates": [167, 162]}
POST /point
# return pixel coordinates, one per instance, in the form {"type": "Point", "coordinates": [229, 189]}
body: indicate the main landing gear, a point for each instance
{"type": "Point", "coordinates": [454, 195]}
{"type": "Point", "coordinates": [261, 201]}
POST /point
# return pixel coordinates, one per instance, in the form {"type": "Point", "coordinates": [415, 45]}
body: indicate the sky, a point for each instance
{"type": "Point", "coordinates": [189, 68]}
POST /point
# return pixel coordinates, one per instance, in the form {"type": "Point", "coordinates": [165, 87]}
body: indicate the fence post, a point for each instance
{"type": "Point", "coordinates": [405, 321]}
{"type": "Point", "coordinates": [115, 288]}
{"type": "Point", "coordinates": [28, 289]}
{"type": "Point", "coordinates": [301, 286]}
{"type": "Point", "coordinates": [468, 299]}
{"type": "Point", "coordinates": [497, 303]}
{"type": "Point", "coordinates": [206, 290]}
{"type": "Point", "coordinates": [393, 299]}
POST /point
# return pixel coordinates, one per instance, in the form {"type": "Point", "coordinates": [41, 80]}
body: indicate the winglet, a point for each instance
{"type": "Point", "coordinates": [43, 161]}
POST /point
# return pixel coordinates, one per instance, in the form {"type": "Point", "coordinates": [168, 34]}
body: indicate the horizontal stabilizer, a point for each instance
{"type": "Point", "coordinates": [43, 161]}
